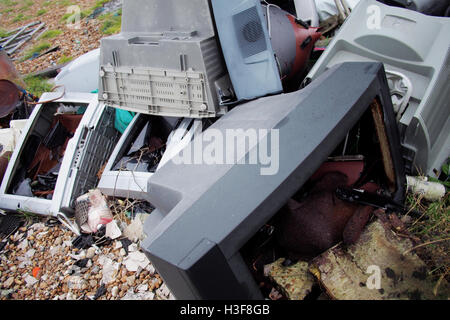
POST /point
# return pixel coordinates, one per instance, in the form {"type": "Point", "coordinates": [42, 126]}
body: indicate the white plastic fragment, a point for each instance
{"type": "Point", "coordinates": [113, 230]}
{"type": "Point", "coordinates": [109, 271]}
{"type": "Point", "coordinates": [30, 281]}
{"type": "Point", "coordinates": [23, 245]}
{"type": "Point", "coordinates": [136, 260]}
{"type": "Point", "coordinates": [431, 191]}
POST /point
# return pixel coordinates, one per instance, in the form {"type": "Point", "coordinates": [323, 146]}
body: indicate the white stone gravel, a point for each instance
{"type": "Point", "coordinates": [49, 251]}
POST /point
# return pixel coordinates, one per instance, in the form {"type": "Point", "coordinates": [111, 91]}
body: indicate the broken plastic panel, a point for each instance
{"type": "Point", "coordinates": [414, 50]}
{"type": "Point", "coordinates": [247, 48]}
{"type": "Point", "coordinates": [68, 169]}
{"type": "Point", "coordinates": [139, 153]}
{"type": "Point", "coordinates": [206, 213]}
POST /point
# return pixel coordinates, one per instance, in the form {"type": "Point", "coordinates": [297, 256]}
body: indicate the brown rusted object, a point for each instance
{"type": "Point", "coordinates": [4, 160]}
{"type": "Point", "coordinates": [43, 193]}
{"type": "Point", "coordinates": [9, 97]}
{"type": "Point", "coordinates": [356, 224]}
{"type": "Point", "coordinates": [352, 169]}
{"type": "Point", "coordinates": [314, 225]}
{"type": "Point", "coordinates": [8, 71]}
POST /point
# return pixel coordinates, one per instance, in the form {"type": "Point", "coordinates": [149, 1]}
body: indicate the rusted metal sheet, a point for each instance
{"type": "Point", "coordinates": [352, 273]}
{"type": "Point", "coordinates": [9, 97]}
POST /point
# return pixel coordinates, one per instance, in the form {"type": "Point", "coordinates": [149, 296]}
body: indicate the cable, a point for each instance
{"type": "Point", "coordinates": [51, 100]}
{"type": "Point", "coordinates": [269, 27]}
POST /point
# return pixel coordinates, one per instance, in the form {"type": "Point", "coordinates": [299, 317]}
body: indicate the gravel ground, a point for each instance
{"type": "Point", "coordinates": [124, 275]}
{"type": "Point", "coordinates": [39, 261]}
{"type": "Point", "coordinates": [73, 43]}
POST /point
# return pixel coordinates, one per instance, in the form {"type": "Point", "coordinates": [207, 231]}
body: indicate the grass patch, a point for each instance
{"type": "Point", "coordinates": [20, 17]}
{"type": "Point", "coordinates": [7, 11]}
{"type": "Point", "coordinates": [26, 6]}
{"type": "Point", "coordinates": [41, 12]}
{"type": "Point", "coordinates": [50, 34]}
{"type": "Point", "coordinates": [36, 49]}
{"type": "Point", "coordinates": [65, 3]}
{"type": "Point", "coordinates": [100, 3]}
{"type": "Point", "coordinates": [30, 217]}
{"type": "Point", "coordinates": [433, 226]}
{"type": "Point", "coordinates": [8, 3]}
{"type": "Point", "coordinates": [4, 33]}
{"type": "Point", "coordinates": [112, 23]}
{"type": "Point", "coordinates": [37, 85]}
{"type": "Point", "coordinates": [433, 229]}
{"type": "Point", "coordinates": [64, 59]}
{"type": "Point", "coordinates": [47, 4]}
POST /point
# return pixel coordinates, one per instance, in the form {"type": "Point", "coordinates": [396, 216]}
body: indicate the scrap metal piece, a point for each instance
{"type": "Point", "coordinates": [375, 268]}
{"type": "Point", "coordinates": [21, 31]}
{"type": "Point", "coordinates": [206, 213]}
{"type": "Point", "coordinates": [24, 40]}
{"type": "Point", "coordinates": [9, 97]}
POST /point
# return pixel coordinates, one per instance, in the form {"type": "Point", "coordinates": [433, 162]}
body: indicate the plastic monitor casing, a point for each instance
{"type": "Point", "coordinates": [248, 52]}
{"type": "Point", "coordinates": [166, 61]}
{"type": "Point", "coordinates": [418, 46]}
{"type": "Point", "coordinates": [78, 168]}
{"type": "Point", "coordinates": [206, 213]}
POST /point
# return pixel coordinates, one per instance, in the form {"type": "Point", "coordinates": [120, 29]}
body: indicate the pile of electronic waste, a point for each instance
{"type": "Point", "coordinates": [350, 127]}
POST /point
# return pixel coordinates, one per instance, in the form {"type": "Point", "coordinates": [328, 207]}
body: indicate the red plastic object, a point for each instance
{"type": "Point", "coordinates": [352, 169]}
{"type": "Point", "coordinates": [305, 40]}
{"type": "Point", "coordinates": [36, 271]}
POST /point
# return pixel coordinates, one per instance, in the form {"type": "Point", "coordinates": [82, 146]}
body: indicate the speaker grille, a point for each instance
{"type": "Point", "coordinates": [249, 32]}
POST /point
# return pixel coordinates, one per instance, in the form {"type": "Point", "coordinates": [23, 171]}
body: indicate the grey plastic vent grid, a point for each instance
{"type": "Point", "coordinates": [249, 32]}
{"type": "Point", "coordinates": [154, 88]}
{"type": "Point", "coordinates": [94, 151]}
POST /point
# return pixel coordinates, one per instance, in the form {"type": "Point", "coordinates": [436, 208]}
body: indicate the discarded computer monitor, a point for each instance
{"type": "Point", "coordinates": [166, 61]}
{"type": "Point", "coordinates": [414, 50]}
{"type": "Point", "coordinates": [62, 148]}
{"type": "Point", "coordinates": [206, 213]}
{"type": "Point", "coordinates": [262, 45]}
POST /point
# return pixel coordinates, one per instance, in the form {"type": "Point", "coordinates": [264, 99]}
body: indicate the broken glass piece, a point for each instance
{"type": "Point", "coordinates": [57, 136]}
{"type": "Point", "coordinates": [142, 139]}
